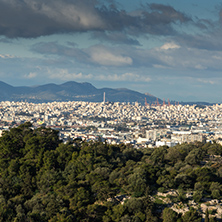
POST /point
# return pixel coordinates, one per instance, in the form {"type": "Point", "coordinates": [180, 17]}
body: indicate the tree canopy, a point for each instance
{"type": "Point", "coordinates": [43, 179]}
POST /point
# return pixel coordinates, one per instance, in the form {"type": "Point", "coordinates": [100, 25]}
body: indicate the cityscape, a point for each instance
{"type": "Point", "coordinates": [86, 134]}
{"type": "Point", "coordinates": [119, 122]}
{"type": "Point", "coordinates": [138, 126]}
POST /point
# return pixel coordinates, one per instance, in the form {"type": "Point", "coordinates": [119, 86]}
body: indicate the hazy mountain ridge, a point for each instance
{"type": "Point", "coordinates": [70, 91]}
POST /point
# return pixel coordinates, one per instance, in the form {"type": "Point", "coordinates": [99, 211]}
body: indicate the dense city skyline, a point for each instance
{"type": "Point", "coordinates": [167, 48]}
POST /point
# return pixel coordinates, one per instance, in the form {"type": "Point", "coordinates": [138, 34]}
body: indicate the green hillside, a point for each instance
{"type": "Point", "coordinates": [43, 179]}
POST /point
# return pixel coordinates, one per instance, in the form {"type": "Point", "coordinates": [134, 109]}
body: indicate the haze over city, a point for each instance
{"type": "Point", "coordinates": [171, 49]}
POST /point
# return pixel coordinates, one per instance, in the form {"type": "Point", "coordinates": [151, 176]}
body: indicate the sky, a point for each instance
{"type": "Point", "coordinates": [171, 49]}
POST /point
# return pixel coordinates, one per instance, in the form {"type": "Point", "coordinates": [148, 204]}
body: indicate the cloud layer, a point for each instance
{"type": "Point", "coordinates": [34, 18]}
{"type": "Point", "coordinates": [159, 46]}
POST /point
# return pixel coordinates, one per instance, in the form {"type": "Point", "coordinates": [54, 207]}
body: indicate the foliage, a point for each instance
{"type": "Point", "coordinates": [191, 216]}
{"type": "Point", "coordinates": [169, 215]}
{"type": "Point", "coordinates": [43, 179]}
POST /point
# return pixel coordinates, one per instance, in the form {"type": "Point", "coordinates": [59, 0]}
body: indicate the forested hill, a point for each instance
{"type": "Point", "coordinates": [43, 179]}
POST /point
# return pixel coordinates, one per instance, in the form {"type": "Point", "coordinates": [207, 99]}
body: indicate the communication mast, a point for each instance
{"type": "Point", "coordinates": [104, 97]}
{"type": "Point", "coordinates": [163, 102]}
{"type": "Point", "coordinates": [157, 103]}
{"type": "Point", "coordinates": [168, 102]}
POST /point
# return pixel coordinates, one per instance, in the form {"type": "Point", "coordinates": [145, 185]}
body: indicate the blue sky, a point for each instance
{"type": "Point", "coordinates": [171, 49]}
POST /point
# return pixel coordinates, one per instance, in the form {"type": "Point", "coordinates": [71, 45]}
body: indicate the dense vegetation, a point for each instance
{"type": "Point", "coordinates": [43, 179]}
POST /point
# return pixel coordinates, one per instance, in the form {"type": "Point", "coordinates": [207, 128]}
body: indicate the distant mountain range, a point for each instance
{"type": "Point", "coordinates": [71, 91]}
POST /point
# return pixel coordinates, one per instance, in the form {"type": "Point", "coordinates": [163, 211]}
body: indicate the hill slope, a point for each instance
{"type": "Point", "coordinates": [70, 91]}
{"type": "Point", "coordinates": [43, 179]}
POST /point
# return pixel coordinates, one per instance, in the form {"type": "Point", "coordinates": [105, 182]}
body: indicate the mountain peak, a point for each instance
{"type": "Point", "coordinates": [70, 91]}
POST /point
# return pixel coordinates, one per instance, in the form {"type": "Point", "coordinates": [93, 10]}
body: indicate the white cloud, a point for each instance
{"type": "Point", "coordinates": [31, 75]}
{"type": "Point", "coordinates": [217, 57]}
{"type": "Point", "coordinates": [207, 81]}
{"type": "Point", "coordinates": [160, 66]}
{"type": "Point", "coordinates": [199, 66]}
{"type": "Point", "coordinates": [106, 58]}
{"type": "Point", "coordinates": [131, 77]}
{"type": "Point", "coordinates": [64, 74]}
{"type": "Point", "coordinates": [184, 59]}
{"type": "Point", "coordinates": [6, 56]}
{"type": "Point", "coordinates": [169, 45]}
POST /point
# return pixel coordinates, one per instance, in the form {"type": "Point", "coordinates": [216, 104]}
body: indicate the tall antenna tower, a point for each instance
{"type": "Point", "coordinates": [157, 102]}
{"type": "Point", "coordinates": [104, 97]}
{"type": "Point", "coordinates": [168, 102]}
